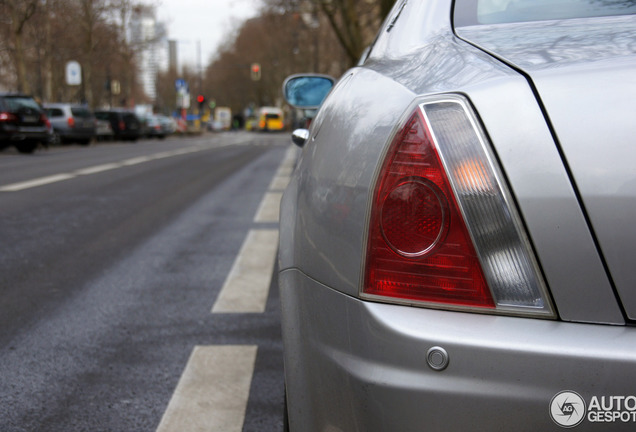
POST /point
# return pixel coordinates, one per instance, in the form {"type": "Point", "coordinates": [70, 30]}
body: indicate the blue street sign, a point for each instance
{"type": "Point", "coordinates": [181, 84]}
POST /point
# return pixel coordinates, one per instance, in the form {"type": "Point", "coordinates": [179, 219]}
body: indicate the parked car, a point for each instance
{"type": "Point", "coordinates": [103, 130]}
{"type": "Point", "coordinates": [125, 124]}
{"type": "Point", "coordinates": [71, 123]}
{"type": "Point", "coordinates": [23, 123]}
{"type": "Point", "coordinates": [457, 241]}
{"type": "Point", "coordinates": [168, 124]}
{"type": "Point", "coordinates": [155, 127]}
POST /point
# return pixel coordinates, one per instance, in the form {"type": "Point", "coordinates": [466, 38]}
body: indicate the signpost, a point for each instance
{"type": "Point", "coordinates": [183, 102]}
{"type": "Point", "coordinates": [73, 73]}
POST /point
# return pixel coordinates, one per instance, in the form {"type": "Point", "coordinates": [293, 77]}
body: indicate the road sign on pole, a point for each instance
{"type": "Point", "coordinates": [183, 93]}
{"type": "Point", "coordinates": [73, 73]}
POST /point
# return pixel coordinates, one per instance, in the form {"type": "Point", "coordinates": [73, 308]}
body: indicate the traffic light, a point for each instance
{"type": "Point", "coordinates": [256, 71]}
{"type": "Point", "coordinates": [201, 101]}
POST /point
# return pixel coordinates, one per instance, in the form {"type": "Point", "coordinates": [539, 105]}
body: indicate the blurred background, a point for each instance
{"type": "Point", "coordinates": [128, 53]}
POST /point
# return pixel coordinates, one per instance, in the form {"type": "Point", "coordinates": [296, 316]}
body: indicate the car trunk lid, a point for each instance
{"type": "Point", "coordinates": [584, 71]}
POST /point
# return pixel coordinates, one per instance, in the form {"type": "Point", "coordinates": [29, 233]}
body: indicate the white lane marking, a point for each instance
{"type": "Point", "coordinates": [213, 391]}
{"type": "Point", "coordinates": [247, 285]}
{"type": "Point", "coordinates": [14, 187]}
{"type": "Point", "coordinates": [279, 183]}
{"type": "Point", "coordinates": [195, 405]}
{"type": "Point", "coordinates": [97, 169]}
{"type": "Point", "coordinates": [136, 160]}
{"type": "Point", "coordinates": [285, 170]}
{"type": "Point", "coordinates": [269, 209]}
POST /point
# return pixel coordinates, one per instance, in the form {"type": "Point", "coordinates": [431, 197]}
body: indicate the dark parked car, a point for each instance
{"type": "Point", "coordinates": [125, 124]}
{"type": "Point", "coordinates": [71, 123]}
{"type": "Point", "coordinates": [23, 123]}
{"type": "Point", "coordinates": [457, 243]}
{"type": "Point", "coordinates": [103, 130]}
{"type": "Point", "coordinates": [154, 127]}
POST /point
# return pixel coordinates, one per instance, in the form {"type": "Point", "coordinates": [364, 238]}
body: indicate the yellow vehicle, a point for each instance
{"type": "Point", "coordinates": [270, 119]}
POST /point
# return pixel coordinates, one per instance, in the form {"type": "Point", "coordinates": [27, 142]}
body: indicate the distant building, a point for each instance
{"type": "Point", "coordinates": [147, 34]}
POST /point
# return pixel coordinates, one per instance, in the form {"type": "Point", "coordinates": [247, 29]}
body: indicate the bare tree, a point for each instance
{"type": "Point", "coordinates": [354, 22]}
{"type": "Point", "coordinates": [91, 13]}
{"type": "Point", "coordinates": [282, 42]}
{"type": "Point", "coordinates": [19, 13]}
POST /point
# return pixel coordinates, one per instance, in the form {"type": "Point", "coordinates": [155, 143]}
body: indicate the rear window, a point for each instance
{"type": "Point", "coordinates": [102, 115]}
{"type": "Point", "coordinates": [54, 112]}
{"type": "Point", "coordinates": [475, 12]}
{"type": "Point", "coordinates": [130, 118]}
{"type": "Point", "coordinates": [81, 113]}
{"type": "Point", "coordinates": [17, 103]}
{"type": "Point", "coordinates": [272, 116]}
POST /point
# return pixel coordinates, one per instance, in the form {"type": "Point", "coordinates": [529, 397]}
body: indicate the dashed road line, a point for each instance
{"type": "Point", "coordinates": [247, 286]}
{"type": "Point", "coordinates": [269, 209]}
{"type": "Point", "coordinates": [36, 182]}
{"type": "Point", "coordinates": [14, 187]}
{"type": "Point", "coordinates": [213, 391]}
{"type": "Point", "coordinates": [41, 181]}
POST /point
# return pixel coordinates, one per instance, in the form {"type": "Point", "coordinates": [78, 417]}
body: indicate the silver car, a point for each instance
{"type": "Point", "coordinates": [71, 123]}
{"type": "Point", "coordinates": [457, 243]}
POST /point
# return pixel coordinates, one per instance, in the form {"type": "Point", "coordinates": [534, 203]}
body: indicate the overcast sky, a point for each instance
{"type": "Point", "coordinates": [207, 21]}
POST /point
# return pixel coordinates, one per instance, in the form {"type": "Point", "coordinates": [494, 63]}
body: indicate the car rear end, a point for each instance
{"type": "Point", "coordinates": [72, 123]}
{"type": "Point", "coordinates": [129, 126]}
{"type": "Point", "coordinates": [22, 123]}
{"type": "Point", "coordinates": [125, 125]}
{"type": "Point", "coordinates": [83, 126]}
{"type": "Point", "coordinates": [456, 256]}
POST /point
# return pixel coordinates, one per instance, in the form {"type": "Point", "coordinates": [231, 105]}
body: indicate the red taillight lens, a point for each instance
{"type": "Point", "coordinates": [419, 247]}
{"type": "Point", "coordinates": [122, 125]}
{"type": "Point", "coordinates": [443, 230]}
{"type": "Point", "coordinates": [7, 117]}
{"type": "Point", "coordinates": [44, 119]}
{"type": "Point", "coordinates": [71, 122]}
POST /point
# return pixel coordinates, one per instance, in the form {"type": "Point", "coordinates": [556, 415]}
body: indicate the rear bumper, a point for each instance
{"type": "Point", "coordinates": [360, 366]}
{"type": "Point", "coordinates": [32, 134]}
{"type": "Point", "coordinates": [71, 134]}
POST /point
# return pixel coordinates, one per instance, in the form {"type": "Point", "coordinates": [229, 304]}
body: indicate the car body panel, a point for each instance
{"type": "Point", "coordinates": [125, 124]}
{"type": "Point", "coordinates": [362, 366]}
{"type": "Point", "coordinates": [355, 365]}
{"type": "Point", "coordinates": [27, 129]}
{"type": "Point", "coordinates": [547, 202]}
{"type": "Point", "coordinates": [332, 200]}
{"type": "Point", "coordinates": [83, 128]}
{"type": "Point", "coordinates": [578, 66]}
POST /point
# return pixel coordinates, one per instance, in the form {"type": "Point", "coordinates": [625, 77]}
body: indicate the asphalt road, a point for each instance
{"type": "Point", "coordinates": [112, 259]}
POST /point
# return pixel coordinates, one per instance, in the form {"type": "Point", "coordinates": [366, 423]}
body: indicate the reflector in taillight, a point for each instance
{"type": "Point", "coordinates": [442, 228]}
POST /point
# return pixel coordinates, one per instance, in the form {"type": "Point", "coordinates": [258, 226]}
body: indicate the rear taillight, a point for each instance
{"type": "Point", "coordinates": [122, 125]}
{"type": "Point", "coordinates": [443, 231]}
{"type": "Point", "coordinates": [71, 122]}
{"type": "Point", "coordinates": [44, 119]}
{"type": "Point", "coordinates": [8, 117]}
